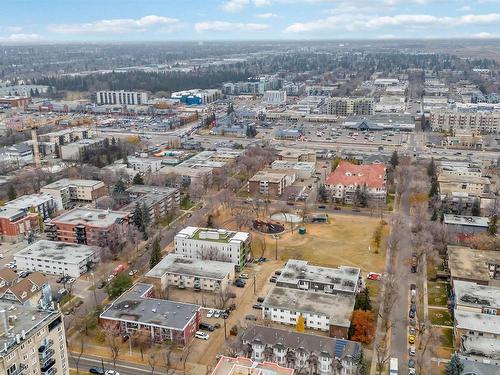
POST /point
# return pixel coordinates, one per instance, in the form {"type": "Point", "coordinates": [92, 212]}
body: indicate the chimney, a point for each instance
{"type": "Point", "coordinates": [23, 334]}
{"type": "Point", "coordinates": [18, 339]}
{"type": "Point", "coordinates": [4, 324]}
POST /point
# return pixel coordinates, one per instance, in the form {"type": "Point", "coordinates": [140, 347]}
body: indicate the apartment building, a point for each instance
{"type": "Point", "coordinates": [175, 270]}
{"type": "Point", "coordinates": [245, 366]}
{"type": "Point", "coordinates": [163, 320]}
{"type": "Point", "coordinates": [121, 97]}
{"type": "Point", "coordinates": [348, 177]}
{"type": "Point", "coordinates": [197, 96]}
{"type": "Point", "coordinates": [298, 274]}
{"type": "Point", "coordinates": [344, 106]}
{"type": "Point", "coordinates": [32, 341]}
{"type": "Point", "coordinates": [468, 122]}
{"type": "Point", "coordinates": [159, 201]}
{"type": "Point", "coordinates": [275, 97]}
{"type": "Point", "coordinates": [302, 169]}
{"type": "Point", "coordinates": [479, 266]}
{"type": "Point", "coordinates": [303, 352]}
{"type": "Point", "coordinates": [472, 186]}
{"type": "Point", "coordinates": [268, 183]}
{"type": "Point", "coordinates": [88, 226]}
{"type": "Point", "coordinates": [16, 224]}
{"type": "Point", "coordinates": [57, 258]}
{"type": "Point", "coordinates": [68, 192]}
{"type": "Point", "coordinates": [76, 150]}
{"type": "Point", "coordinates": [214, 244]}
{"type": "Point", "coordinates": [144, 165]}
{"type": "Point", "coordinates": [66, 136]}
{"type": "Point", "coordinates": [42, 204]}
{"type": "Point", "coordinates": [464, 226]}
{"type": "Point", "coordinates": [297, 155]}
{"type": "Point", "coordinates": [458, 169]}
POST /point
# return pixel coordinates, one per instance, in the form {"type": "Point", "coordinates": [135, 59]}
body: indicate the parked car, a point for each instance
{"type": "Point", "coordinates": [257, 306]}
{"type": "Point", "coordinates": [273, 279]}
{"type": "Point", "coordinates": [278, 272]}
{"type": "Point", "coordinates": [323, 207]}
{"type": "Point", "coordinates": [217, 314]}
{"type": "Point", "coordinates": [201, 335]}
{"type": "Point", "coordinates": [260, 299]}
{"type": "Point", "coordinates": [411, 314]}
{"type": "Point", "coordinates": [411, 339]}
{"type": "Point", "coordinates": [112, 372]}
{"type": "Point", "coordinates": [62, 291]}
{"type": "Point", "coordinates": [132, 272]}
{"type": "Point", "coordinates": [413, 322]}
{"type": "Point", "coordinates": [250, 317]}
{"type": "Point", "coordinates": [374, 276]}
{"type": "Point", "coordinates": [411, 363]}
{"type": "Point", "coordinates": [71, 281]}
{"type": "Point", "coordinates": [412, 331]}
{"type": "Point", "coordinates": [243, 276]}
{"type": "Point", "coordinates": [210, 313]}
{"type": "Point", "coordinates": [240, 283]}
{"type": "Point", "coordinates": [97, 370]}
{"type": "Point", "coordinates": [101, 284]}
{"type": "Point", "coordinates": [412, 351]}
{"type": "Point", "coordinates": [206, 327]}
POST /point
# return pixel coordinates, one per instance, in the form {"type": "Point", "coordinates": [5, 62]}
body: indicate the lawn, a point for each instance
{"type": "Point", "coordinates": [440, 317]}
{"type": "Point", "coordinates": [445, 349]}
{"type": "Point", "coordinates": [345, 240]}
{"type": "Point", "coordinates": [186, 203]}
{"type": "Point", "coordinates": [437, 294]}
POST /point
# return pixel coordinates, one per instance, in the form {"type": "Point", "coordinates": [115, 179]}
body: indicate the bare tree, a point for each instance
{"type": "Point", "coordinates": [142, 340]}
{"type": "Point", "coordinates": [112, 338]}
{"type": "Point", "coordinates": [153, 359]}
{"type": "Point", "coordinates": [168, 357]}
{"type": "Point", "coordinates": [223, 297]}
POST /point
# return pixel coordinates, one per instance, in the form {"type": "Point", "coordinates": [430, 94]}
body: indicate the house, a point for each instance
{"type": "Point", "coordinates": [318, 354]}
{"type": "Point", "coordinates": [478, 266]}
{"type": "Point", "coordinates": [24, 291]}
{"type": "Point", "coordinates": [175, 270]}
{"type": "Point", "coordinates": [214, 244]}
{"type": "Point", "coordinates": [57, 258]}
{"type": "Point", "coordinates": [163, 320]}
{"type": "Point", "coordinates": [348, 177]}
{"type": "Point", "coordinates": [68, 192]}
{"type": "Point", "coordinates": [245, 366]}
{"type": "Point", "coordinates": [88, 226]}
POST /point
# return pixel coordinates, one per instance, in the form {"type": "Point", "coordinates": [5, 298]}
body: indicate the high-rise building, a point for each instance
{"type": "Point", "coordinates": [121, 97]}
{"type": "Point", "coordinates": [344, 106]}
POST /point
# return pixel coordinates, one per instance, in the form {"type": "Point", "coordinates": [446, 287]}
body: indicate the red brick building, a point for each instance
{"type": "Point", "coordinates": [14, 101]}
{"type": "Point", "coordinates": [16, 224]}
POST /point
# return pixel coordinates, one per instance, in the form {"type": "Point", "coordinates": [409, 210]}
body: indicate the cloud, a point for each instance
{"type": "Point", "coordinates": [117, 25]}
{"type": "Point", "coordinates": [483, 35]}
{"type": "Point", "coordinates": [222, 26]}
{"type": "Point", "coordinates": [262, 3]}
{"type": "Point", "coordinates": [20, 38]}
{"type": "Point", "coordinates": [352, 22]}
{"type": "Point", "coordinates": [465, 8]}
{"type": "Point", "coordinates": [267, 16]}
{"type": "Point", "coordinates": [14, 29]}
{"type": "Point", "coordinates": [234, 5]}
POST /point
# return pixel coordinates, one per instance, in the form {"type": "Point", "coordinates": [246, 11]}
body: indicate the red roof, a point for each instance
{"type": "Point", "coordinates": [373, 175]}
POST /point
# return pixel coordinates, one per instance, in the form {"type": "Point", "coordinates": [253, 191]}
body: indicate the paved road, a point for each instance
{"type": "Point", "coordinates": [124, 368]}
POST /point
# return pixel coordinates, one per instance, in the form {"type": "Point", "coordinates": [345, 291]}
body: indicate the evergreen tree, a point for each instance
{"type": "Point", "coordinates": [476, 207]}
{"type": "Point", "coordinates": [434, 190]}
{"type": "Point", "coordinates": [323, 194]}
{"type": "Point", "coordinates": [210, 221]}
{"type": "Point", "coordinates": [11, 192]}
{"type": "Point", "coordinates": [119, 187]}
{"type": "Point", "coordinates": [394, 160]}
{"type": "Point", "coordinates": [434, 216]}
{"type": "Point", "coordinates": [363, 301]}
{"type": "Point", "coordinates": [431, 169]}
{"type": "Point", "coordinates": [155, 254]}
{"type": "Point", "coordinates": [137, 216]}
{"type": "Point", "coordinates": [492, 226]}
{"type": "Point", "coordinates": [125, 159]}
{"type": "Point", "coordinates": [455, 366]}
{"type": "Point", "coordinates": [138, 180]}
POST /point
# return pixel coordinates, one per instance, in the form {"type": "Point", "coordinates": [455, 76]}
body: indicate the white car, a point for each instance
{"type": "Point", "coordinates": [217, 314]}
{"type": "Point", "coordinates": [201, 335]}
{"type": "Point", "coordinates": [243, 275]}
{"type": "Point", "coordinates": [71, 281]}
{"type": "Point", "coordinates": [210, 313]}
{"type": "Point", "coordinates": [112, 372]}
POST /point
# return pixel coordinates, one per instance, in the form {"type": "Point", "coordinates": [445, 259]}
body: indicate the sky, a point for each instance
{"type": "Point", "coordinates": [40, 21]}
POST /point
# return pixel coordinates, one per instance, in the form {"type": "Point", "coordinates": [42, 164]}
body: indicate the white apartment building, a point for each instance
{"type": "Point", "coordinates": [472, 122]}
{"type": "Point", "coordinates": [275, 97]}
{"type": "Point", "coordinates": [144, 165]}
{"type": "Point", "coordinates": [66, 192]}
{"type": "Point", "coordinates": [42, 203]}
{"type": "Point", "coordinates": [32, 341]}
{"type": "Point", "coordinates": [57, 258]}
{"type": "Point", "coordinates": [213, 244]}
{"type": "Point", "coordinates": [344, 106]}
{"type": "Point", "coordinates": [121, 97]}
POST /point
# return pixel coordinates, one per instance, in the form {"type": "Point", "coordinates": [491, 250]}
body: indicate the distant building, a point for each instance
{"type": "Point", "coordinates": [275, 97]}
{"type": "Point", "coordinates": [67, 192]}
{"type": "Point", "coordinates": [302, 169]}
{"type": "Point", "coordinates": [19, 153]}
{"type": "Point", "coordinates": [472, 186]}
{"type": "Point", "coordinates": [348, 177]}
{"type": "Point", "coordinates": [75, 150]}
{"type": "Point", "coordinates": [14, 101]}
{"type": "Point", "coordinates": [57, 258]}
{"type": "Point", "coordinates": [213, 244]}
{"type": "Point", "coordinates": [43, 204]}
{"type": "Point", "coordinates": [268, 183]}
{"type": "Point", "coordinates": [245, 366]}
{"type": "Point", "coordinates": [197, 96]}
{"type": "Point", "coordinates": [144, 165]}
{"type": "Point", "coordinates": [344, 106]}
{"type": "Point", "coordinates": [175, 270]}
{"type": "Point", "coordinates": [297, 155]}
{"type": "Point", "coordinates": [159, 201]}
{"type": "Point", "coordinates": [121, 97]}
{"type": "Point", "coordinates": [475, 122]}
{"type": "Point", "coordinates": [303, 352]}
{"type": "Point", "coordinates": [163, 320]}
{"type": "Point", "coordinates": [88, 226]}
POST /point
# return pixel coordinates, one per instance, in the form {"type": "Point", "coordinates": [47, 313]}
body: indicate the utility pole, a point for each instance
{"type": "Point", "coordinates": [254, 284]}
{"type": "Point", "coordinates": [276, 248]}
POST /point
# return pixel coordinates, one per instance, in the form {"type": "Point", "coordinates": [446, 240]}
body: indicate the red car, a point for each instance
{"type": "Point", "coordinates": [374, 276]}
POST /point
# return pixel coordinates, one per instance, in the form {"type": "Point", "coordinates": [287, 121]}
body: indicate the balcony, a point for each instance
{"type": "Point", "coordinates": [45, 355]}
{"type": "Point", "coordinates": [47, 365]}
{"type": "Point", "coordinates": [20, 370]}
{"type": "Point", "coordinates": [51, 371]}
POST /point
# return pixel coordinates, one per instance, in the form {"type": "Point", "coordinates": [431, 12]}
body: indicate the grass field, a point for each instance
{"type": "Point", "coordinates": [437, 294]}
{"type": "Point", "coordinates": [440, 317]}
{"type": "Point", "coordinates": [345, 240]}
{"type": "Point", "coordinates": [445, 349]}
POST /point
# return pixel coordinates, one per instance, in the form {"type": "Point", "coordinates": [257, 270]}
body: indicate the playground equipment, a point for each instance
{"type": "Point", "coordinates": [267, 226]}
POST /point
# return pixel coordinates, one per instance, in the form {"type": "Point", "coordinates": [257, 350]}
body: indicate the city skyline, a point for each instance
{"type": "Point", "coordinates": [29, 21]}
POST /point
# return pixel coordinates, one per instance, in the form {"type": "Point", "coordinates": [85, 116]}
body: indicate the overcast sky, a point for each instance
{"type": "Point", "coordinates": [29, 21]}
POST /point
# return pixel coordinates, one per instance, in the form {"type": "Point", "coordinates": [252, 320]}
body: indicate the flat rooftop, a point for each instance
{"type": "Point", "coordinates": [28, 201]}
{"type": "Point", "coordinates": [337, 307]}
{"type": "Point", "coordinates": [210, 234]}
{"type": "Point", "coordinates": [295, 153]}
{"type": "Point", "coordinates": [65, 182]}
{"type": "Point", "coordinates": [467, 263]}
{"type": "Point", "coordinates": [343, 278]}
{"type": "Point", "coordinates": [286, 164]}
{"type": "Point", "coordinates": [476, 295]}
{"type": "Point", "coordinates": [481, 346]}
{"type": "Point", "coordinates": [58, 251]}
{"type": "Point", "coordinates": [472, 321]}
{"type": "Point", "coordinates": [133, 306]}
{"type": "Point", "coordinates": [28, 319]}
{"type": "Point", "coordinates": [91, 216]}
{"type": "Point", "coordinates": [269, 176]}
{"type": "Point", "coordinates": [146, 189]}
{"type": "Point", "coordinates": [471, 221]}
{"type": "Point", "coordinates": [174, 263]}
